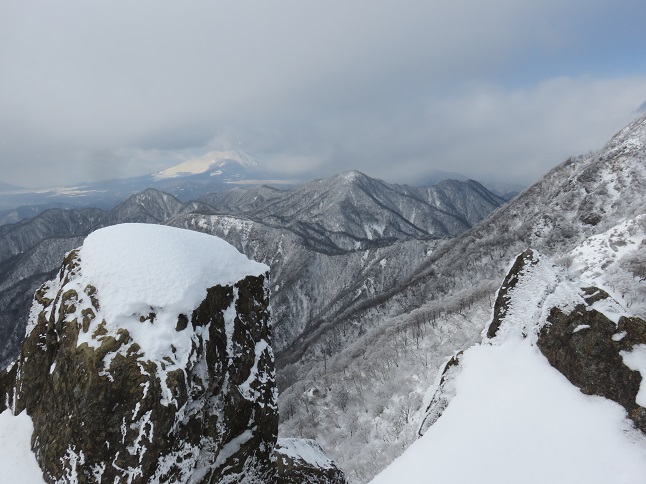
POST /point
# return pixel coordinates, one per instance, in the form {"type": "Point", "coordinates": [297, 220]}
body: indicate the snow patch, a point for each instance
{"type": "Point", "coordinates": [618, 336]}
{"type": "Point", "coordinates": [510, 402]}
{"type": "Point", "coordinates": [636, 360]}
{"type": "Point", "coordinates": [17, 461]}
{"type": "Point", "coordinates": [233, 446]}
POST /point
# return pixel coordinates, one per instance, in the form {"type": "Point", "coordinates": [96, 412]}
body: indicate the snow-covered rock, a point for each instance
{"type": "Point", "coordinates": [149, 359]}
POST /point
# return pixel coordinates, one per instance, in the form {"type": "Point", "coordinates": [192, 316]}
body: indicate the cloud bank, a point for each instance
{"type": "Point", "coordinates": [497, 90]}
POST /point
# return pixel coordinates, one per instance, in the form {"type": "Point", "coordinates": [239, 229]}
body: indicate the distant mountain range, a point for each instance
{"type": "Point", "coordinates": [215, 171]}
{"type": "Point", "coordinates": [318, 224]}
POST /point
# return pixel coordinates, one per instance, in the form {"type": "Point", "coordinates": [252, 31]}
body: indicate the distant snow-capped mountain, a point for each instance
{"type": "Point", "coordinates": [214, 163]}
{"type": "Point", "coordinates": [212, 172]}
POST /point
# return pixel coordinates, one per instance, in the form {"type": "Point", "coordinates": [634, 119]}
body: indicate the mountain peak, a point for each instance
{"type": "Point", "coordinates": [349, 177]}
{"type": "Point", "coordinates": [211, 161]}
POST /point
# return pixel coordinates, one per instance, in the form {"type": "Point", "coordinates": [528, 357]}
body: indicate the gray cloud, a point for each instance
{"type": "Point", "coordinates": [392, 88]}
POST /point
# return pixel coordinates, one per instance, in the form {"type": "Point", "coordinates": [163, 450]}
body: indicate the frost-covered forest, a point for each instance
{"type": "Point", "coordinates": [360, 388]}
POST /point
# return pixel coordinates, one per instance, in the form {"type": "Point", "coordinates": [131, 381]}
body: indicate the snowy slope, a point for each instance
{"type": "Point", "coordinates": [386, 352]}
{"type": "Point", "coordinates": [515, 419]}
{"type": "Point", "coordinates": [615, 260]}
{"type": "Point", "coordinates": [506, 415]}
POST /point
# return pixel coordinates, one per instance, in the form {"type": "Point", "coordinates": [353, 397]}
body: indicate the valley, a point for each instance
{"type": "Point", "coordinates": [375, 286]}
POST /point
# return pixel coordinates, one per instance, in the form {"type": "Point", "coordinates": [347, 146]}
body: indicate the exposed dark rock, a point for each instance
{"type": "Point", "coordinates": [580, 344]}
{"type": "Point", "coordinates": [590, 218]}
{"type": "Point", "coordinates": [104, 411]}
{"type": "Point", "coordinates": [525, 259]}
{"type": "Point", "coordinates": [593, 294]}
{"type": "Point", "coordinates": [214, 421]}
{"type": "Point", "coordinates": [302, 461]}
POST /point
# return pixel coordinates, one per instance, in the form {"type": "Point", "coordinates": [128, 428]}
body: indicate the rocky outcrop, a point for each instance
{"type": "Point", "coordinates": [443, 394]}
{"type": "Point", "coordinates": [501, 306]}
{"type": "Point", "coordinates": [152, 396]}
{"type": "Point", "coordinates": [588, 348]}
{"type": "Point", "coordinates": [571, 326]}
{"type": "Point", "coordinates": [213, 421]}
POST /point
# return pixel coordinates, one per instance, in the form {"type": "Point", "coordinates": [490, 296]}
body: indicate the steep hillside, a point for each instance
{"type": "Point", "coordinates": [506, 400]}
{"type": "Point", "coordinates": [373, 364]}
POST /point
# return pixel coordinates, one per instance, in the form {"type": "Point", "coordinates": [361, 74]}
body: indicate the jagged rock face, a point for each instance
{"type": "Point", "coordinates": [523, 260]}
{"type": "Point", "coordinates": [568, 324]}
{"type": "Point", "coordinates": [586, 347]}
{"type": "Point", "coordinates": [302, 461]}
{"type": "Point", "coordinates": [102, 412]}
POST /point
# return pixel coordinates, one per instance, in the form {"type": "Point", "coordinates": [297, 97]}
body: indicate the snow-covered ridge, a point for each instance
{"type": "Point", "coordinates": [514, 418]}
{"type": "Point", "coordinates": [212, 160]}
{"type": "Point", "coordinates": [501, 407]}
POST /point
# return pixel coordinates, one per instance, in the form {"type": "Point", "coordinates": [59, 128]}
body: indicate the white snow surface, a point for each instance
{"type": "Point", "coordinates": [636, 361]}
{"type": "Point", "coordinates": [135, 267]}
{"type": "Point", "coordinates": [516, 419]}
{"type": "Point", "coordinates": [17, 461]}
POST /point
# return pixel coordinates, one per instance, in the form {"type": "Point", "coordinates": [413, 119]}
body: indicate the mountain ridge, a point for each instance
{"type": "Point", "coordinates": [59, 230]}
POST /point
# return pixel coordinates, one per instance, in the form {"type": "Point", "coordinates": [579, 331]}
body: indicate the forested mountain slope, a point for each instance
{"type": "Point", "coordinates": [314, 265]}
{"type": "Point", "coordinates": [359, 384]}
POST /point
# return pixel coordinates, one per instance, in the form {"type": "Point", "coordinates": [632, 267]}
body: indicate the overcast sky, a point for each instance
{"type": "Point", "coordinates": [498, 90]}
